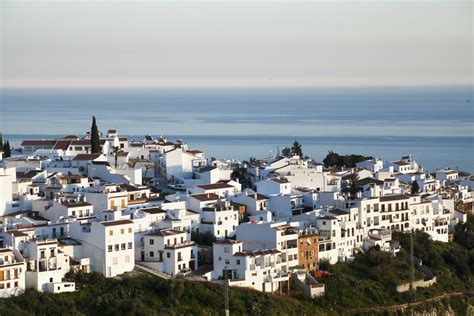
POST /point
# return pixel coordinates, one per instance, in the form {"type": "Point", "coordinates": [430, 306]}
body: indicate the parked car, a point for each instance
{"type": "Point", "coordinates": [180, 187]}
{"type": "Point", "coordinates": [184, 272]}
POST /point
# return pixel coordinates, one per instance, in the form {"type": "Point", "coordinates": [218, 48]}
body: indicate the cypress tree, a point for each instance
{"type": "Point", "coordinates": [6, 150]}
{"type": "Point", "coordinates": [415, 188]}
{"type": "Point", "coordinates": [95, 145]}
{"type": "Point", "coordinates": [1, 141]}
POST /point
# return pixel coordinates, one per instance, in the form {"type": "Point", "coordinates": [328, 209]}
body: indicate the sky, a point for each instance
{"type": "Point", "coordinates": [233, 44]}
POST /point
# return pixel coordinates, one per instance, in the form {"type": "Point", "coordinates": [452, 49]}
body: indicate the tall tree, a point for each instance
{"type": "Point", "coordinates": [6, 149]}
{"type": "Point", "coordinates": [286, 152]}
{"type": "Point", "coordinates": [352, 187]}
{"type": "Point", "coordinates": [95, 144]}
{"type": "Point", "coordinates": [1, 141]}
{"type": "Point", "coordinates": [296, 149]}
{"type": "Point", "coordinates": [331, 160]}
{"type": "Point", "coordinates": [415, 187]}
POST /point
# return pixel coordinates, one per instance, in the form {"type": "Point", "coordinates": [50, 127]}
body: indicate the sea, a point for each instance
{"type": "Point", "coordinates": [433, 124]}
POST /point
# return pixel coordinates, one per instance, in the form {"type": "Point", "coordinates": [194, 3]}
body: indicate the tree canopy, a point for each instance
{"type": "Point", "coordinates": [296, 149]}
{"type": "Point", "coordinates": [333, 159]}
{"type": "Point", "coordinates": [7, 152]}
{"type": "Point", "coordinates": [415, 188]}
{"type": "Point", "coordinates": [95, 143]}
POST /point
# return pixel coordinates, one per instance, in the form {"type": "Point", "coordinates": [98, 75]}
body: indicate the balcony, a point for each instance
{"type": "Point", "coordinates": [279, 276]}
{"type": "Point", "coordinates": [180, 245]}
{"type": "Point", "coordinates": [441, 223]}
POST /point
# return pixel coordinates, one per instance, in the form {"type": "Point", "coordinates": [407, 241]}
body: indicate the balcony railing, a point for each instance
{"type": "Point", "coordinates": [180, 245]}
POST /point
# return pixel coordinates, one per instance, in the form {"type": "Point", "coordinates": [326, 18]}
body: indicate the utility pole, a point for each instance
{"type": "Point", "coordinates": [412, 263]}
{"type": "Point", "coordinates": [226, 292]}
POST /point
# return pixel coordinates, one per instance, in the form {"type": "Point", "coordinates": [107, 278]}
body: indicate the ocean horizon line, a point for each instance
{"type": "Point", "coordinates": [247, 87]}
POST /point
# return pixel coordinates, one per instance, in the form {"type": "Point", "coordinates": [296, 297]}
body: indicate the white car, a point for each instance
{"type": "Point", "coordinates": [184, 272]}
{"type": "Point", "coordinates": [180, 187]}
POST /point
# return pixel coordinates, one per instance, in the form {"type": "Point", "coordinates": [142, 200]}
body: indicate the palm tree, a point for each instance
{"type": "Point", "coordinates": [148, 166]}
{"type": "Point", "coordinates": [352, 187]}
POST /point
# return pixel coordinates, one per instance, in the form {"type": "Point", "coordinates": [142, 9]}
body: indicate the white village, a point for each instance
{"type": "Point", "coordinates": [101, 202]}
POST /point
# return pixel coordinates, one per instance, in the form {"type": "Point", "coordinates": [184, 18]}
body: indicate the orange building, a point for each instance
{"type": "Point", "coordinates": [308, 250]}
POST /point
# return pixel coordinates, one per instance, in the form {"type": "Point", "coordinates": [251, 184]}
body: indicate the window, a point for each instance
{"type": "Point", "coordinates": [130, 245]}
{"type": "Point", "coordinates": [130, 230]}
{"type": "Point", "coordinates": [50, 280]}
{"type": "Point", "coordinates": [152, 241]}
{"type": "Point", "coordinates": [110, 248]}
{"type": "Point", "coordinates": [114, 260]}
{"type": "Point", "coordinates": [111, 232]}
{"type": "Point", "coordinates": [227, 261]}
{"type": "Point", "coordinates": [122, 231]}
{"type": "Point", "coordinates": [123, 245]}
{"type": "Point", "coordinates": [220, 258]}
{"type": "Point", "coordinates": [117, 247]}
{"type": "Point", "coordinates": [152, 254]}
{"type": "Point", "coordinates": [168, 255]}
{"type": "Point", "coordinates": [226, 249]}
{"type": "Point", "coordinates": [238, 262]}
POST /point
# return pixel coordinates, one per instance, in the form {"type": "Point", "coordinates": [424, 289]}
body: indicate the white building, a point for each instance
{"type": "Point", "coordinates": [181, 162]}
{"type": "Point", "coordinates": [12, 273]}
{"type": "Point", "coordinates": [109, 244]}
{"type": "Point", "coordinates": [279, 236]}
{"type": "Point", "coordinates": [170, 251]}
{"type": "Point", "coordinates": [46, 266]}
{"type": "Point", "coordinates": [260, 269]}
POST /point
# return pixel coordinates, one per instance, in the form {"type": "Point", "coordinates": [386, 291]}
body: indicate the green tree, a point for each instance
{"type": "Point", "coordinates": [297, 149]}
{"type": "Point", "coordinates": [6, 149]}
{"type": "Point", "coordinates": [95, 144]}
{"type": "Point", "coordinates": [252, 161]}
{"type": "Point", "coordinates": [286, 151]}
{"type": "Point", "coordinates": [332, 159]}
{"type": "Point", "coordinates": [415, 188]}
{"type": "Point", "coordinates": [352, 187]}
{"type": "Point", "coordinates": [349, 161]}
{"type": "Point", "coordinates": [1, 141]}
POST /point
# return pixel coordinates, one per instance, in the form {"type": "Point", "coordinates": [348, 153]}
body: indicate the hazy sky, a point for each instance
{"type": "Point", "coordinates": [226, 43]}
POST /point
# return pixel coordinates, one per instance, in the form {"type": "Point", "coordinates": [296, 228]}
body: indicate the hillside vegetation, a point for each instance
{"type": "Point", "coordinates": [366, 282]}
